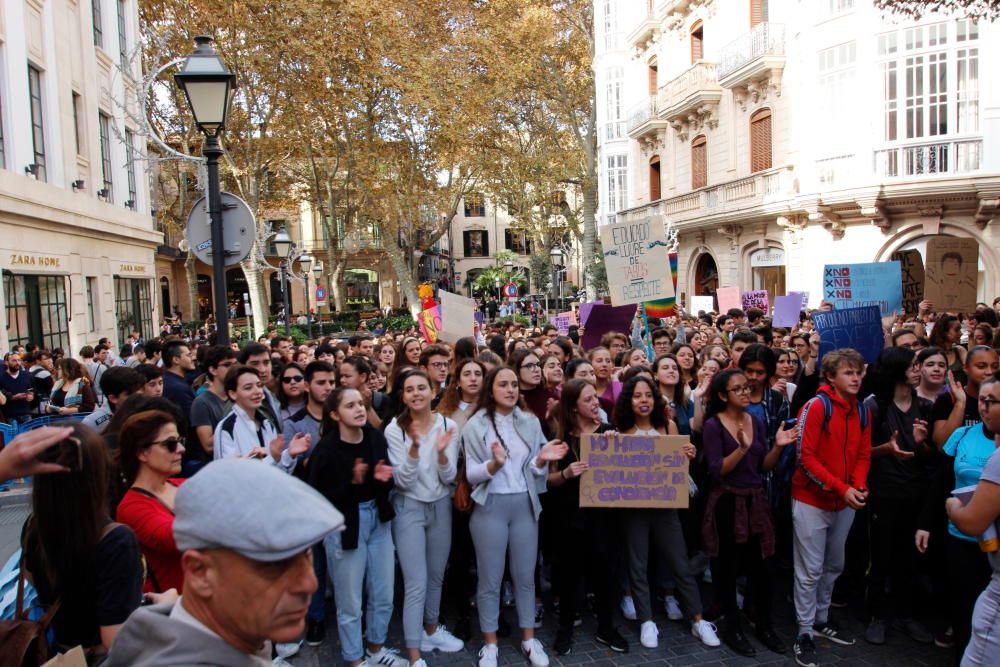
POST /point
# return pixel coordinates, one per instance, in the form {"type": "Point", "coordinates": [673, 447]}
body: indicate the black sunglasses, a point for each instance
{"type": "Point", "coordinates": [288, 379]}
{"type": "Point", "coordinates": [171, 444]}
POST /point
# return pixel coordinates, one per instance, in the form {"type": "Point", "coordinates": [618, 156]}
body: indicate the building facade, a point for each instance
{"type": "Point", "coordinates": [77, 241]}
{"type": "Point", "coordinates": [778, 135]}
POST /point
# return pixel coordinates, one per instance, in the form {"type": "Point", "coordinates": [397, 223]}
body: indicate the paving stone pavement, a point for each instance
{"type": "Point", "coordinates": [677, 648]}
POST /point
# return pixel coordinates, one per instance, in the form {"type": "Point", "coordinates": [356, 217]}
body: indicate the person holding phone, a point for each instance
{"type": "Point", "coordinates": [829, 484]}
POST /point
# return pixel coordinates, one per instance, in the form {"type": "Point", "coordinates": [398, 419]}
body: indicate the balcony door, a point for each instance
{"type": "Point", "coordinates": [760, 140]}
{"type": "Point", "coordinates": [758, 12]}
{"type": "Point", "coordinates": [654, 178]}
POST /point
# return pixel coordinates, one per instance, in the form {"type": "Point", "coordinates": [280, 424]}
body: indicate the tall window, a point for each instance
{"type": "Point", "coordinates": [92, 303]}
{"type": "Point", "coordinates": [654, 178]}
{"type": "Point", "coordinates": [758, 12]}
{"type": "Point", "coordinates": [697, 42]}
{"type": "Point", "coordinates": [610, 26]}
{"type": "Point", "coordinates": [104, 123]}
{"type": "Point", "coordinates": [133, 307]}
{"type": "Point", "coordinates": [832, 7]}
{"type": "Point", "coordinates": [78, 122]}
{"type": "Point", "coordinates": [760, 140]}
{"type": "Point", "coordinates": [36, 310]}
{"type": "Point", "coordinates": [122, 39]}
{"type": "Point", "coordinates": [651, 77]}
{"type": "Point", "coordinates": [37, 120]}
{"type": "Point", "coordinates": [475, 206]}
{"type": "Point", "coordinates": [615, 95]}
{"type": "Point", "coordinates": [837, 96]}
{"type": "Point", "coordinates": [517, 242]}
{"type": "Point", "coordinates": [617, 182]}
{"type": "Point", "coordinates": [476, 243]}
{"type": "Point", "coordinates": [98, 25]}
{"type": "Point", "coordinates": [130, 168]}
{"type": "Point", "coordinates": [699, 162]}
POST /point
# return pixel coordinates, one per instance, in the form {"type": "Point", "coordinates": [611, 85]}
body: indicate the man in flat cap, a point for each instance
{"type": "Point", "coordinates": [244, 532]}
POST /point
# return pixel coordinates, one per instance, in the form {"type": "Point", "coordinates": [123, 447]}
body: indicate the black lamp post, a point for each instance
{"type": "Point", "coordinates": [209, 87]}
{"type": "Point", "coordinates": [306, 262]}
{"type": "Point", "coordinates": [317, 269]}
{"type": "Point", "coordinates": [556, 258]}
{"type": "Point", "coordinates": [496, 282]}
{"type": "Point", "coordinates": [283, 244]}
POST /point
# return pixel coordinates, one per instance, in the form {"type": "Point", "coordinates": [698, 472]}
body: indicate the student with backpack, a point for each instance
{"type": "Point", "coordinates": [830, 483]}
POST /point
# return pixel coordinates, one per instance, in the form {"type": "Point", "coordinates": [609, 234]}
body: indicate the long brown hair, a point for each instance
{"type": "Point", "coordinates": [488, 403]}
{"type": "Point", "coordinates": [136, 436]}
{"type": "Point", "coordinates": [567, 418]}
{"type": "Point", "coordinates": [70, 510]}
{"type": "Point", "coordinates": [404, 420]}
{"type": "Point", "coordinates": [453, 393]}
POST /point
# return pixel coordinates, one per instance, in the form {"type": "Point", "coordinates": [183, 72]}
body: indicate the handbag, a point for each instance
{"type": "Point", "coordinates": [22, 641]}
{"type": "Point", "coordinates": [462, 500]}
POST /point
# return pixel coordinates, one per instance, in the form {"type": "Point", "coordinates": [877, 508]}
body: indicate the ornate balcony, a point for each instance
{"type": "Point", "coordinates": [644, 120]}
{"type": "Point", "coordinates": [758, 194]}
{"type": "Point", "coordinates": [751, 66]}
{"type": "Point", "coordinates": [690, 100]}
{"type": "Point", "coordinates": [645, 34]}
{"type": "Point", "coordinates": [915, 160]}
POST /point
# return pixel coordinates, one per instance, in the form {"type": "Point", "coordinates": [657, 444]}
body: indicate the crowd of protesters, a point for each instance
{"type": "Point", "coordinates": [460, 464]}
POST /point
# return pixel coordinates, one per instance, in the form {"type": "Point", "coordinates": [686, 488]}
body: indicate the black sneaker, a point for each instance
{"type": "Point", "coordinates": [771, 640]}
{"type": "Point", "coordinates": [462, 629]}
{"type": "Point", "coordinates": [738, 642]}
{"type": "Point", "coordinates": [564, 643]}
{"type": "Point", "coordinates": [613, 639]}
{"type": "Point", "coordinates": [805, 651]}
{"type": "Point", "coordinates": [315, 633]}
{"type": "Point", "coordinates": [833, 633]}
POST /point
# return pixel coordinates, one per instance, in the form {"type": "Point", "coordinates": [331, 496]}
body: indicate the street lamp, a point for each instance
{"type": "Point", "coordinates": [283, 244]}
{"type": "Point", "coordinates": [306, 262]}
{"type": "Point", "coordinates": [496, 281]}
{"type": "Point", "coordinates": [556, 259]}
{"type": "Point", "coordinates": [318, 273]}
{"type": "Point", "coordinates": [208, 87]}
{"type": "Point", "coordinates": [509, 265]}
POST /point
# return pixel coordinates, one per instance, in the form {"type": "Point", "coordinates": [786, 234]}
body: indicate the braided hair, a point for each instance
{"type": "Point", "coordinates": [488, 403]}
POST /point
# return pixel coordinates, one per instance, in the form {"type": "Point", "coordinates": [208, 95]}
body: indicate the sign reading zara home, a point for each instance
{"type": "Point", "coordinates": [636, 260]}
{"type": "Point", "coordinates": [20, 259]}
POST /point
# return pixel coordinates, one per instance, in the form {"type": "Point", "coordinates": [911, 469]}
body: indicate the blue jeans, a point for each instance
{"type": "Point", "coordinates": [371, 565]}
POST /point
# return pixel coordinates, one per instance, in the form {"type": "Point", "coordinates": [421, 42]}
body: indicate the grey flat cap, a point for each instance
{"type": "Point", "coordinates": [251, 508]}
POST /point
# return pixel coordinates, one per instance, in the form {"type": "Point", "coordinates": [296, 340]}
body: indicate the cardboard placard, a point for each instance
{"type": "Point", "coordinates": [729, 297]}
{"type": "Point", "coordinates": [702, 303]}
{"type": "Point", "coordinates": [755, 299]}
{"type": "Point", "coordinates": [633, 258]}
{"type": "Point", "coordinates": [856, 285]}
{"type": "Point", "coordinates": [786, 310]}
{"type": "Point", "coordinates": [603, 319]}
{"type": "Point", "coordinates": [458, 316]}
{"type": "Point", "coordinates": [857, 328]}
{"type": "Point", "coordinates": [634, 471]}
{"type": "Point", "coordinates": [430, 324]}
{"type": "Point", "coordinates": [950, 274]}
{"type": "Point", "coordinates": [563, 321]}
{"type": "Point", "coordinates": [661, 308]}
{"type": "Point", "coordinates": [804, 296]}
{"type": "Point", "coordinates": [911, 266]}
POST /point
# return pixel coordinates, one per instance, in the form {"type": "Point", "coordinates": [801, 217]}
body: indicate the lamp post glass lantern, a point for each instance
{"type": "Point", "coordinates": [317, 269]}
{"type": "Point", "coordinates": [306, 262]}
{"type": "Point", "coordinates": [208, 86]}
{"type": "Point", "coordinates": [283, 244]}
{"type": "Point", "coordinates": [556, 260]}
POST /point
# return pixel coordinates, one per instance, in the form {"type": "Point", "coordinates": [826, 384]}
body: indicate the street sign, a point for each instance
{"type": "Point", "coordinates": [510, 290]}
{"type": "Point", "coordinates": [320, 293]}
{"type": "Point", "coordinates": [238, 230]}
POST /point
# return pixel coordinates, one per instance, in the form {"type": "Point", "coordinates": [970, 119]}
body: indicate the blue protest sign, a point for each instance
{"type": "Point", "coordinates": [857, 328]}
{"type": "Point", "coordinates": [855, 285]}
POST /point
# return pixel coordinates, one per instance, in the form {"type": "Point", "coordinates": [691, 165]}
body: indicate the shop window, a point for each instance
{"type": "Point", "coordinates": [165, 304]}
{"type": "Point", "coordinates": [361, 289]}
{"type": "Point", "coordinates": [760, 140]}
{"type": "Point", "coordinates": [36, 310]}
{"type": "Point", "coordinates": [767, 267]}
{"type": "Point", "coordinates": [133, 308]}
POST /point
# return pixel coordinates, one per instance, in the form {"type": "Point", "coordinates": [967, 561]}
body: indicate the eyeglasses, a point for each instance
{"type": "Point", "coordinates": [533, 364]}
{"type": "Point", "coordinates": [741, 389]}
{"type": "Point", "coordinates": [170, 444]}
{"type": "Point", "coordinates": [988, 402]}
{"type": "Point", "coordinates": [438, 364]}
{"type": "Point", "coordinates": [288, 379]}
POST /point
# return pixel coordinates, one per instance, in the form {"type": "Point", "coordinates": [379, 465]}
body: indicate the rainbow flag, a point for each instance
{"type": "Point", "coordinates": [665, 307]}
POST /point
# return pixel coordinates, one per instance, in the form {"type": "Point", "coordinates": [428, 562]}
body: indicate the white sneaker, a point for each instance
{"type": "Point", "coordinates": [442, 640]}
{"type": "Point", "coordinates": [386, 657]}
{"type": "Point", "coordinates": [706, 632]}
{"type": "Point", "coordinates": [628, 607]}
{"type": "Point", "coordinates": [674, 612]}
{"type": "Point", "coordinates": [419, 663]}
{"type": "Point", "coordinates": [287, 649]}
{"type": "Point", "coordinates": [533, 650]}
{"type": "Point", "coordinates": [648, 634]}
{"type": "Point", "coordinates": [488, 655]}
{"type": "Point", "coordinates": [739, 600]}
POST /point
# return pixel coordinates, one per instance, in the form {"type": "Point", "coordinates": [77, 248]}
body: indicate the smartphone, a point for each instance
{"type": "Point", "coordinates": [790, 423]}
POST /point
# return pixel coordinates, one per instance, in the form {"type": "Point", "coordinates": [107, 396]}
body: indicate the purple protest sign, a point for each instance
{"type": "Point", "coordinates": [786, 310]}
{"type": "Point", "coordinates": [585, 309]}
{"type": "Point", "coordinates": [805, 298]}
{"type": "Point", "coordinates": [603, 319]}
{"type": "Point", "coordinates": [755, 299]}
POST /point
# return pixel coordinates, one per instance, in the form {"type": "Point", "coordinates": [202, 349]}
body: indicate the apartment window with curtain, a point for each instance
{"type": "Point", "coordinates": [476, 243]}
{"type": "Point", "coordinates": [104, 125]}
{"type": "Point", "coordinates": [758, 12]}
{"type": "Point", "coordinates": [98, 22]}
{"type": "Point", "coordinates": [697, 42]}
{"type": "Point", "coordinates": [614, 90]}
{"type": "Point", "coordinates": [37, 120]}
{"type": "Point", "coordinates": [760, 140]}
{"type": "Point", "coordinates": [122, 38]}
{"type": "Point", "coordinates": [699, 162]}
{"type": "Point", "coordinates": [130, 168]}
{"type": "Point", "coordinates": [617, 182]}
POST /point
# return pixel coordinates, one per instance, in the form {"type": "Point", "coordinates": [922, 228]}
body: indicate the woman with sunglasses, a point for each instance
{"type": "Point", "coordinates": [736, 450]}
{"type": "Point", "coordinates": [149, 458]}
{"type": "Point", "coordinates": [641, 410]}
{"type": "Point", "coordinates": [291, 390]}
{"type": "Point", "coordinates": [507, 464]}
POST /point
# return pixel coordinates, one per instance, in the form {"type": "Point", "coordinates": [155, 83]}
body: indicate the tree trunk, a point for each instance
{"type": "Point", "coordinates": [407, 286]}
{"type": "Point", "coordinates": [589, 234]}
{"type": "Point", "coordinates": [336, 273]}
{"type": "Point", "coordinates": [192, 286]}
{"type": "Point", "coordinates": [258, 298]}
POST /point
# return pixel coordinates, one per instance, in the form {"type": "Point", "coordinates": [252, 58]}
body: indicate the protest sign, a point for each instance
{"type": "Point", "coordinates": [585, 311]}
{"type": "Point", "coordinates": [634, 471]}
{"type": "Point", "coordinates": [911, 266]}
{"type": "Point", "coordinates": [563, 321]}
{"type": "Point", "coordinates": [858, 328]}
{"type": "Point", "coordinates": [804, 296]}
{"type": "Point", "coordinates": [603, 319]}
{"type": "Point", "coordinates": [458, 315]}
{"type": "Point", "coordinates": [786, 310]}
{"type": "Point", "coordinates": [755, 299]}
{"type": "Point", "coordinates": [950, 274]}
{"type": "Point", "coordinates": [729, 297]}
{"type": "Point", "coordinates": [430, 324]}
{"type": "Point", "coordinates": [702, 303]}
{"type": "Point", "coordinates": [633, 259]}
{"type": "Point", "coordinates": [661, 308]}
{"type": "Point", "coordinates": [855, 285]}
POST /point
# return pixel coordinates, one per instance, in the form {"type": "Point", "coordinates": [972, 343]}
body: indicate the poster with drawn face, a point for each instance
{"type": "Point", "coordinates": [950, 274]}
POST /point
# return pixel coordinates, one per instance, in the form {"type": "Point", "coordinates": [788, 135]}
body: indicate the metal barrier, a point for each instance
{"type": "Point", "coordinates": [10, 431]}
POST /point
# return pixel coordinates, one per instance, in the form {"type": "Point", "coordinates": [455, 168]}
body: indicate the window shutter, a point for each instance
{"type": "Point", "coordinates": [486, 243]}
{"type": "Point", "coordinates": [699, 163]}
{"type": "Point", "coordinates": [652, 78]}
{"type": "Point", "coordinates": [508, 239]}
{"type": "Point", "coordinates": [697, 42]}
{"type": "Point", "coordinates": [758, 12]}
{"type": "Point", "coordinates": [760, 140]}
{"type": "Point", "coordinates": [654, 178]}
{"type": "Point", "coordinates": [467, 243]}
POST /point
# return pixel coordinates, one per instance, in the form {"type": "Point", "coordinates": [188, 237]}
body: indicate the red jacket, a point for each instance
{"type": "Point", "coordinates": [831, 459]}
{"type": "Point", "coordinates": [153, 524]}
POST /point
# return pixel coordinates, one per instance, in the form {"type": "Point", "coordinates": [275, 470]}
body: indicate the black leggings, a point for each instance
{"type": "Point", "coordinates": [893, 556]}
{"type": "Point", "coordinates": [734, 558]}
{"type": "Point", "coordinates": [581, 548]}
